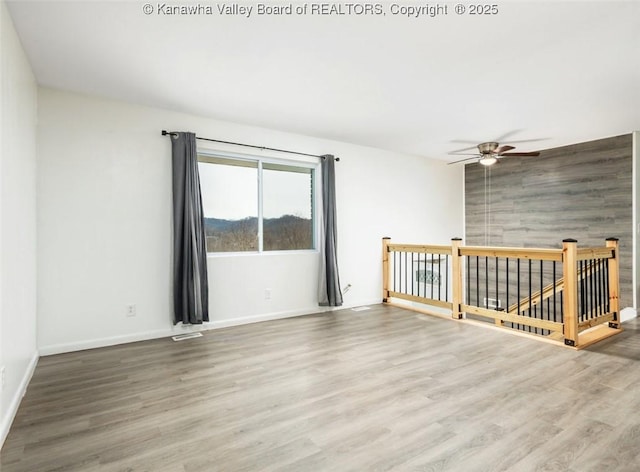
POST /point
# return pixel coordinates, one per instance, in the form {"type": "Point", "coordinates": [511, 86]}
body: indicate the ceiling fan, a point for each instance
{"type": "Point", "coordinates": [491, 151]}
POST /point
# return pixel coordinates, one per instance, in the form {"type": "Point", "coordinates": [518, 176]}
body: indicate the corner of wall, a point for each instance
{"type": "Point", "coordinates": [18, 112]}
{"type": "Point", "coordinates": [635, 153]}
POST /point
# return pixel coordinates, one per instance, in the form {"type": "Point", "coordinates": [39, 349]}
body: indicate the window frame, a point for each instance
{"type": "Point", "coordinates": [310, 163]}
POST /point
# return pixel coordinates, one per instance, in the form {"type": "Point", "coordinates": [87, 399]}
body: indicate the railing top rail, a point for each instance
{"type": "Point", "coordinates": [536, 254]}
{"type": "Point", "coordinates": [587, 253]}
{"type": "Point", "coordinates": [420, 248]}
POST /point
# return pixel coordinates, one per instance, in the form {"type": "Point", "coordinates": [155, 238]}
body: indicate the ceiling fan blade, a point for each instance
{"type": "Point", "coordinates": [520, 154]}
{"type": "Point", "coordinates": [463, 141]}
{"type": "Point", "coordinates": [507, 134]}
{"type": "Point", "coordinates": [462, 160]}
{"type": "Point", "coordinates": [502, 149]}
{"type": "Point", "coordinates": [526, 140]}
{"type": "Point", "coordinates": [464, 149]}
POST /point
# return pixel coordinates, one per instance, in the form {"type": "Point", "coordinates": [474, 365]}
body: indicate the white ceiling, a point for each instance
{"type": "Point", "coordinates": [563, 71]}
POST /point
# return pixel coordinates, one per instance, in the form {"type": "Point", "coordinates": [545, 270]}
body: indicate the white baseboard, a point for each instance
{"type": "Point", "coordinates": [110, 341]}
{"type": "Point", "coordinates": [171, 331]}
{"type": "Point", "coordinates": [10, 414]}
{"type": "Point", "coordinates": [217, 324]}
{"type": "Point", "coordinates": [181, 329]}
{"type": "Point", "coordinates": [627, 314]}
{"type": "Point", "coordinates": [377, 301]}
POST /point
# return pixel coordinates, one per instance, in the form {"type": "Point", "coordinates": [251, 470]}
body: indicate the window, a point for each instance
{"type": "Point", "coordinates": [257, 204]}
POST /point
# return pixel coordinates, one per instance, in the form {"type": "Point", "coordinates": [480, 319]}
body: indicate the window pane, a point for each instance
{"type": "Point", "coordinates": [287, 205]}
{"type": "Point", "coordinates": [230, 201]}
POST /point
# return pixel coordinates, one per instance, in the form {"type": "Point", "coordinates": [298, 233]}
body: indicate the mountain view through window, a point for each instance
{"type": "Point", "coordinates": [234, 191]}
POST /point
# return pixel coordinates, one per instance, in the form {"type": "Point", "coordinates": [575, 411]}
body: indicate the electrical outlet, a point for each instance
{"type": "Point", "coordinates": [267, 294]}
{"type": "Point", "coordinates": [130, 310]}
{"type": "Point", "coordinates": [2, 376]}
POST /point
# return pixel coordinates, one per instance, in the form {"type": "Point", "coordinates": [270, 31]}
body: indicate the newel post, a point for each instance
{"type": "Point", "coordinates": [385, 269]}
{"type": "Point", "coordinates": [570, 299]}
{"type": "Point", "coordinates": [614, 282]}
{"type": "Point", "coordinates": [456, 279]}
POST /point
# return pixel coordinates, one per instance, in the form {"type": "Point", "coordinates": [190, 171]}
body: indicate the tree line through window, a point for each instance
{"type": "Point", "coordinates": [257, 205]}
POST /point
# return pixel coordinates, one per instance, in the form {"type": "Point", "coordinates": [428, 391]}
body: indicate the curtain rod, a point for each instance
{"type": "Point", "coordinates": [167, 133]}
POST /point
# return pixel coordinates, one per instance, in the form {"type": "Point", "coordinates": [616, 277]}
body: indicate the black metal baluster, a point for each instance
{"type": "Point", "coordinates": [399, 289]}
{"type": "Point", "coordinates": [541, 290]}
{"type": "Point", "coordinates": [587, 290]}
{"type": "Point", "coordinates": [587, 294]}
{"type": "Point", "coordinates": [594, 290]}
{"type": "Point", "coordinates": [596, 310]}
{"type": "Point", "coordinates": [591, 291]}
{"type": "Point", "coordinates": [542, 294]}
{"type": "Point", "coordinates": [506, 296]}
{"type": "Point", "coordinates": [603, 263]}
{"type": "Point", "coordinates": [406, 268]}
{"type": "Point", "coordinates": [439, 277]}
{"type": "Point", "coordinates": [486, 282]}
{"type": "Point", "coordinates": [530, 299]}
{"type": "Point", "coordinates": [477, 280]}
{"type": "Point", "coordinates": [594, 274]}
{"type": "Point", "coordinates": [518, 289]}
{"type": "Point", "coordinates": [606, 288]}
{"type": "Point", "coordinates": [432, 276]}
{"type": "Point", "coordinates": [604, 300]}
{"type": "Point", "coordinates": [469, 280]}
{"type": "Point", "coordinates": [400, 276]}
{"type": "Point", "coordinates": [583, 283]}
{"type": "Point", "coordinates": [395, 271]}
{"type": "Point", "coordinates": [598, 307]}
{"type": "Point", "coordinates": [400, 270]}
{"type": "Point", "coordinates": [414, 273]}
{"type": "Point", "coordinates": [446, 279]}
{"type": "Point", "coordinates": [417, 274]}
{"type": "Point", "coordinates": [497, 290]}
{"type": "Point", "coordinates": [423, 276]}
{"type": "Point", "coordinates": [554, 290]}
{"type": "Point", "coordinates": [601, 301]}
{"type": "Point", "coordinates": [581, 287]}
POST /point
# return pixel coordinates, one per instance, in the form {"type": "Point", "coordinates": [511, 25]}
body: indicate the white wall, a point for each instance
{"type": "Point", "coordinates": [18, 351]}
{"type": "Point", "coordinates": [104, 216]}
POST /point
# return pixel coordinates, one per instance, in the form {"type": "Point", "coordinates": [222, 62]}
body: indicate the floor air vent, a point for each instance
{"type": "Point", "coordinates": [360, 308]}
{"type": "Point", "coordinates": [182, 337]}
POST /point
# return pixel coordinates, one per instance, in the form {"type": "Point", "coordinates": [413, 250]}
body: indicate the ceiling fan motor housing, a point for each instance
{"type": "Point", "coordinates": [487, 148]}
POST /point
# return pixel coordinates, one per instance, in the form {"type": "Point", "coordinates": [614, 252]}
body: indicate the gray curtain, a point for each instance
{"type": "Point", "coordinates": [329, 291]}
{"type": "Point", "coordinates": [190, 287]}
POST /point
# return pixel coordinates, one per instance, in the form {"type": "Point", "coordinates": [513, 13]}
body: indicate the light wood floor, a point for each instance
{"type": "Point", "coordinates": [383, 389]}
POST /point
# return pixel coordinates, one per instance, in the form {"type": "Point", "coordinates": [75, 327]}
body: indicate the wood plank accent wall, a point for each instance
{"type": "Point", "coordinates": [582, 191]}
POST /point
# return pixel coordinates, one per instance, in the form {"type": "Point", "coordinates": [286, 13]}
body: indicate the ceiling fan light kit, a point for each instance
{"type": "Point", "coordinates": [488, 160]}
